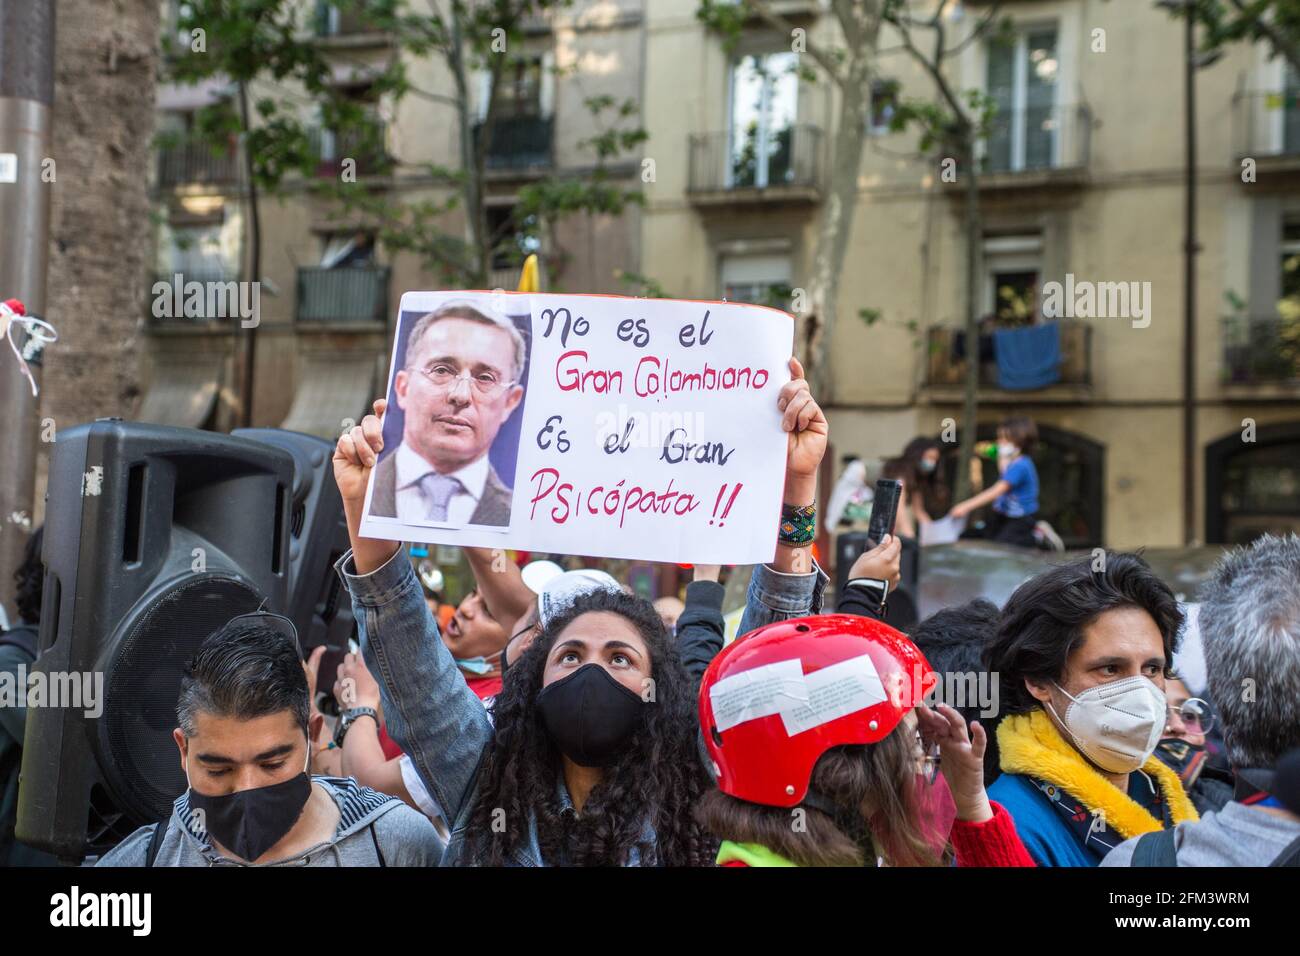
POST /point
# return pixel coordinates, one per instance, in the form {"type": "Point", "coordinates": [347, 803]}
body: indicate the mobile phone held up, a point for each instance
{"type": "Point", "coordinates": [884, 508]}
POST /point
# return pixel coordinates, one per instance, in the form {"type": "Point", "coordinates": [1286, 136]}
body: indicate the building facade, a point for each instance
{"type": "Point", "coordinates": [1082, 205]}
{"type": "Point", "coordinates": [329, 289]}
{"type": "Point", "coordinates": [1082, 184]}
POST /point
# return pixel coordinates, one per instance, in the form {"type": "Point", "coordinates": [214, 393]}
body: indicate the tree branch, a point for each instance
{"type": "Point", "coordinates": [778, 22]}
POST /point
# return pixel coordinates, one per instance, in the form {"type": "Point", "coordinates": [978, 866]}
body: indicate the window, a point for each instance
{"type": "Point", "coordinates": [1288, 305]}
{"type": "Point", "coordinates": [520, 93]}
{"type": "Point", "coordinates": [884, 104]}
{"type": "Point", "coordinates": [1288, 111]}
{"type": "Point", "coordinates": [764, 100]}
{"type": "Point", "coordinates": [1022, 81]}
{"type": "Point", "coordinates": [758, 279]}
{"type": "Point", "coordinates": [1013, 274]}
{"type": "Point", "coordinates": [511, 244]}
{"type": "Point", "coordinates": [347, 249]}
{"type": "Point", "coordinates": [196, 253]}
{"type": "Point", "coordinates": [1260, 492]}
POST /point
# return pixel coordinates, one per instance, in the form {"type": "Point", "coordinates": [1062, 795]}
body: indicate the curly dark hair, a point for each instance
{"type": "Point", "coordinates": [659, 776]}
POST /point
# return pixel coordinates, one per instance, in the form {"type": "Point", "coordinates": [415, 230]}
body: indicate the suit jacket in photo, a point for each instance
{"type": "Point", "coordinates": [493, 507]}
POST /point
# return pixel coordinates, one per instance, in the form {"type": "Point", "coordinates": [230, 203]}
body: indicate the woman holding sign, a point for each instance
{"type": "Point", "coordinates": [593, 758]}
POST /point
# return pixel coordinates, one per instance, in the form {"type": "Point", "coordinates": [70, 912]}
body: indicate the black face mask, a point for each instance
{"type": "Point", "coordinates": [1183, 758]}
{"type": "Point", "coordinates": [250, 822]}
{"type": "Point", "coordinates": [589, 715]}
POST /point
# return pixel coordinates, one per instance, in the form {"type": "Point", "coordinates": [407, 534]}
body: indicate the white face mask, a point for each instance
{"type": "Point", "coordinates": [1007, 450]}
{"type": "Point", "coordinates": [1117, 725]}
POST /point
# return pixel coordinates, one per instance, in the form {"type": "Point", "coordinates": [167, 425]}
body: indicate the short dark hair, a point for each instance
{"type": "Point", "coordinates": [953, 641]}
{"type": "Point", "coordinates": [1021, 430]}
{"type": "Point", "coordinates": [29, 579]}
{"type": "Point", "coordinates": [244, 669]}
{"type": "Point", "coordinates": [1043, 621]}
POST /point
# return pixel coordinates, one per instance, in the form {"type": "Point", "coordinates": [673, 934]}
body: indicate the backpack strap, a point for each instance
{"type": "Point", "coordinates": [1289, 856]}
{"type": "Point", "coordinates": [1155, 849]}
{"type": "Point", "coordinates": [375, 840]}
{"type": "Point", "coordinates": [155, 841]}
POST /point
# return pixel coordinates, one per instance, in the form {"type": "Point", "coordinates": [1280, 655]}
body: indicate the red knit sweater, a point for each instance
{"type": "Point", "coordinates": [991, 843]}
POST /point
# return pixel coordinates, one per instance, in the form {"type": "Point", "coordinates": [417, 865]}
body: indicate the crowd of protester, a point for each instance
{"type": "Point", "coordinates": [555, 718]}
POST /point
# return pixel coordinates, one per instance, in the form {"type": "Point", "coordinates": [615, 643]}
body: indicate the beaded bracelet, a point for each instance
{"type": "Point", "coordinates": [798, 525]}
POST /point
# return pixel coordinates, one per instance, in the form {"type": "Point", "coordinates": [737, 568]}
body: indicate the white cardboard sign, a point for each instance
{"type": "Point", "coordinates": [631, 428]}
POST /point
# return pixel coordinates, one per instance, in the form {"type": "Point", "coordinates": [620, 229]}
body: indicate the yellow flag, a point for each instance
{"type": "Point", "coordinates": [528, 275]}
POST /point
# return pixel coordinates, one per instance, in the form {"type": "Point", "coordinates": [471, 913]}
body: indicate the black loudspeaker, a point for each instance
{"type": "Point", "coordinates": [901, 607]}
{"type": "Point", "coordinates": [154, 538]}
{"type": "Point", "coordinates": [319, 606]}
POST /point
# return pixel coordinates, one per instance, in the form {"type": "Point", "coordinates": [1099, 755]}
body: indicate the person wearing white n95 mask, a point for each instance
{"type": "Point", "coordinates": [1118, 725]}
{"type": "Point", "coordinates": [1081, 654]}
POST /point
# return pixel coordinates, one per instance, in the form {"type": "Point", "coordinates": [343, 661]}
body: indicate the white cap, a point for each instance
{"type": "Point", "coordinates": [562, 590]}
{"type": "Point", "coordinates": [537, 574]}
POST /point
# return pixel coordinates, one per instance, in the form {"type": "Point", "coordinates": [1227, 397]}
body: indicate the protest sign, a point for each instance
{"type": "Point", "coordinates": [584, 424]}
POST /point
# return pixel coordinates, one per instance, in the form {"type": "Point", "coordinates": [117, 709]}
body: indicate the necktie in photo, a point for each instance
{"type": "Point", "coordinates": [438, 491]}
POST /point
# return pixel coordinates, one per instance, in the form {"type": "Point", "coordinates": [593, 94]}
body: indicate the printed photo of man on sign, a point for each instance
{"type": "Point", "coordinates": [459, 381]}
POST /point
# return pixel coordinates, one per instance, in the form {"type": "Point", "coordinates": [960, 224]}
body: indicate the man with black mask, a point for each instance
{"type": "Point", "coordinates": [244, 744]}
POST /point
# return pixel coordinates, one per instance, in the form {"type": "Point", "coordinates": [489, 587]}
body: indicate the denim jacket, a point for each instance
{"type": "Point", "coordinates": [430, 710]}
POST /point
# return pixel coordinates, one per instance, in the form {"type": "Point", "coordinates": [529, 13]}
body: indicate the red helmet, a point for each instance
{"type": "Point", "coordinates": [777, 699]}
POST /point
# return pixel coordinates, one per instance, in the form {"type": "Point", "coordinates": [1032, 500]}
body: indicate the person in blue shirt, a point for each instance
{"type": "Point", "coordinates": [1014, 495]}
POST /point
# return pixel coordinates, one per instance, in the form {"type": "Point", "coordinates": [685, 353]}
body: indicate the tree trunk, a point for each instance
{"type": "Point", "coordinates": [100, 265]}
{"type": "Point", "coordinates": [254, 266]}
{"type": "Point", "coordinates": [835, 225]}
{"type": "Point", "coordinates": [970, 403]}
{"type": "Point", "coordinates": [471, 155]}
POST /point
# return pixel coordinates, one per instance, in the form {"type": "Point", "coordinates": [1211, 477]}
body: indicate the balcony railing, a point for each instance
{"type": "Point", "coordinates": [787, 159]}
{"type": "Point", "coordinates": [1038, 139]}
{"type": "Point", "coordinates": [193, 162]}
{"type": "Point", "coordinates": [1261, 351]}
{"type": "Point", "coordinates": [518, 142]}
{"type": "Point", "coordinates": [331, 21]}
{"type": "Point", "coordinates": [1267, 123]}
{"type": "Point", "coordinates": [945, 371]}
{"type": "Point", "coordinates": [364, 145]}
{"type": "Point", "coordinates": [344, 294]}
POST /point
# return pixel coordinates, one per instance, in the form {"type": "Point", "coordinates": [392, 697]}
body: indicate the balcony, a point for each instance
{"type": "Point", "coordinates": [518, 143]}
{"type": "Point", "coordinates": [195, 163]}
{"type": "Point", "coordinates": [345, 28]}
{"type": "Point", "coordinates": [1261, 354]}
{"type": "Point", "coordinates": [777, 167]}
{"type": "Point", "coordinates": [945, 376]}
{"type": "Point", "coordinates": [352, 295]}
{"type": "Point", "coordinates": [365, 145]}
{"type": "Point", "coordinates": [1267, 130]}
{"type": "Point", "coordinates": [1034, 149]}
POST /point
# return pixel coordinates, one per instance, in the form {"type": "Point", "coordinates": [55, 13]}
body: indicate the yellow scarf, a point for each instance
{"type": "Point", "coordinates": [1030, 744]}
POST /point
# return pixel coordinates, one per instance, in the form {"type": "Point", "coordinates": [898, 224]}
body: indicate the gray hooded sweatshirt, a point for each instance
{"type": "Point", "coordinates": [371, 824]}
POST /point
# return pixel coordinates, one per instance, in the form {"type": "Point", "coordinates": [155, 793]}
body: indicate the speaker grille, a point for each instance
{"type": "Point", "coordinates": [143, 682]}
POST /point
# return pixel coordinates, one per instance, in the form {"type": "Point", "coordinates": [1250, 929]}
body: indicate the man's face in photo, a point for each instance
{"type": "Point", "coordinates": [457, 390]}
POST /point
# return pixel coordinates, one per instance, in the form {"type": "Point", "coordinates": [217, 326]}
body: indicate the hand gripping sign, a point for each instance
{"type": "Point", "coordinates": [584, 424]}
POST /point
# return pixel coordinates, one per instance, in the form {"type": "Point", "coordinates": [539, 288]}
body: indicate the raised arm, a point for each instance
{"type": "Point", "coordinates": [700, 627]}
{"type": "Point", "coordinates": [792, 585]}
{"type": "Point", "coordinates": [428, 708]}
{"type": "Point", "coordinates": [500, 582]}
